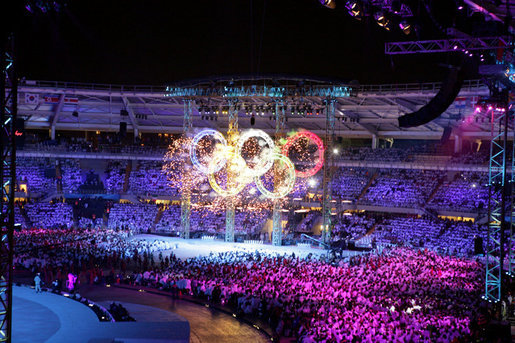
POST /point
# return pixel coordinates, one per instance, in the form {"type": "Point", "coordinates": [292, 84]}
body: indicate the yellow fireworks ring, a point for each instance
{"type": "Point", "coordinates": [241, 176]}
{"type": "Point", "coordinates": [284, 190]}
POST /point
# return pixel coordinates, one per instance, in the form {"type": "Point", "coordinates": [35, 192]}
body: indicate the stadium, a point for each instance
{"type": "Point", "coordinates": [250, 197]}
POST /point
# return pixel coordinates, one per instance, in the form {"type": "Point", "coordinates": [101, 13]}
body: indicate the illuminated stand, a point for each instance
{"type": "Point", "coordinates": [232, 137]}
{"type": "Point", "coordinates": [186, 195]}
{"type": "Point", "coordinates": [277, 230]}
{"type": "Point", "coordinates": [8, 104]}
{"type": "Point", "coordinates": [327, 204]}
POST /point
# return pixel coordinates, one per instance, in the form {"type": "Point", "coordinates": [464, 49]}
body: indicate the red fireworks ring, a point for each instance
{"type": "Point", "coordinates": [315, 139]}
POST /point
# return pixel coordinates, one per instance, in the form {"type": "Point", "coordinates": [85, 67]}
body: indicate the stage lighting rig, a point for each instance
{"type": "Point", "coordinates": [387, 13]}
{"type": "Point", "coordinates": [355, 8]}
{"type": "Point", "coordinates": [382, 19]}
{"type": "Point", "coordinates": [42, 6]}
{"type": "Point", "coordinates": [328, 3]}
{"type": "Point", "coordinates": [405, 27]}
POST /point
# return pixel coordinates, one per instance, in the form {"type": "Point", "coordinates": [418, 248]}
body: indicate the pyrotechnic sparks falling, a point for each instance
{"type": "Point", "coordinates": [255, 149]}
{"type": "Point", "coordinates": [179, 170]}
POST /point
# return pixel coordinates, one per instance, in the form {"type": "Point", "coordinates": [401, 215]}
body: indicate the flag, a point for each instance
{"type": "Point", "coordinates": [31, 98]}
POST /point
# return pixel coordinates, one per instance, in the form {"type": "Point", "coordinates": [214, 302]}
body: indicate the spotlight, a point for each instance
{"type": "Point", "coordinates": [354, 8]}
{"type": "Point", "coordinates": [328, 3]}
{"type": "Point", "coordinates": [335, 151]}
{"type": "Point", "coordinates": [381, 19]}
{"type": "Point", "coordinates": [312, 183]}
{"type": "Point", "coordinates": [405, 27]}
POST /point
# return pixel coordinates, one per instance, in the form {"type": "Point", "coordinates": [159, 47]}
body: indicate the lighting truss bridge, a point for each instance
{"type": "Point", "coordinates": [259, 91]}
{"type": "Point", "coordinates": [446, 45]}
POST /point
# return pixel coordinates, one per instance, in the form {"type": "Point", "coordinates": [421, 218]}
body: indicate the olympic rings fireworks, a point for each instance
{"type": "Point", "coordinates": [239, 174]}
{"type": "Point", "coordinates": [193, 149]}
{"type": "Point", "coordinates": [315, 139]}
{"type": "Point", "coordinates": [266, 160]}
{"type": "Point", "coordinates": [283, 190]}
{"type": "Point", "coordinates": [236, 166]}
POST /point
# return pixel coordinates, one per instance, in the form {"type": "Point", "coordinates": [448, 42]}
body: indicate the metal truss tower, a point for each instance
{"type": "Point", "coordinates": [277, 229]}
{"type": "Point", "coordinates": [327, 204]}
{"type": "Point", "coordinates": [8, 104]}
{"type": "Point", "coordinates": [499, 199]}
{"type": "Point", "coordinates": [511, 244]}
{"type": "Point", "coordinates": [232, 137]}
{"type": "Point", "coordinates": [186, 195]}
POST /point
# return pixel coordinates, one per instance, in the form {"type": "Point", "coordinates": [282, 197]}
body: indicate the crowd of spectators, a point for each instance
{"type": "Point", "coordinates": [85, 253]}
{"type": "Point", "coordinates": [402, 188]}
{"type": "Point", "coordinates": [71, 175]}
{"type": "Point", "coordinates": [149, 178]}
{"type": "Point", "coordinates": [32, 172]}
{"type": "Point", "coordinates": [115, 176]}
{"type": "Point", "coordinates": [435, 300]}
{"type": "Point", "coordinates": [170, 220]}
{"type": "Point", "coordinates": [352, 226]}
{"type": "Point", "coordinates": [306, 224]}
{"type": "Point", "coordinates": [313, 301]}
{"type": "Point", "coordinates": [467, 191]}
{"type": "Point", "coordinates": [443, 236]}
{"type": "Point", "coordinates": [416, 292]}
{"type": "Point", "coordinates": [50, 214]}
{"type": "Point", "coordinates": [138, 217]}
{"type": "Point", "coordinates": [348, 183]}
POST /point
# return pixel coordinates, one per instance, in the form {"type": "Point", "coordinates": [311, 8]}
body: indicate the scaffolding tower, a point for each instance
{"type": "Point", "coordinates": [232, 138]}
{"type": "Point", "coordinates": [277, 229]}
{"type": "Point", "coordinates": [186, 193]}
{"type": "Point", "coordinates": [8, 105]}
{"type": "Point", "coordinates": [500, 195]}
{"type": "Point", "coordinates": [327, 204]}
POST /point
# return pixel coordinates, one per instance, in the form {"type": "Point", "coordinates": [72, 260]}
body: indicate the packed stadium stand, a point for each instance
{"type": "Point", "coordinates": [418, 221]}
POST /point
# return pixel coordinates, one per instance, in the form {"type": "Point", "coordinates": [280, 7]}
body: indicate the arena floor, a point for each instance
{"type": "Point", "coordinates": [47, 317]}
{"type": "Point", "coordinates": [198, 247]}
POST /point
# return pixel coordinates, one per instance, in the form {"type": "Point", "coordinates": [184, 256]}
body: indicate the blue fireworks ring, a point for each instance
{"type": "Point", "coordinates": [193, 150]}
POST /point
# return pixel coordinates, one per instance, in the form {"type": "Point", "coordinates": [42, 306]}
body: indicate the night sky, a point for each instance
{"type": "Point", "coordinates": [160, 42]}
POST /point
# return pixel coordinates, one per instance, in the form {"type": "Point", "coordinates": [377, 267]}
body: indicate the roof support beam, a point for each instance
{"type": "Point", "coordinates": [130, 110]}
{"type": "Point", "coordinates": [56, 115]}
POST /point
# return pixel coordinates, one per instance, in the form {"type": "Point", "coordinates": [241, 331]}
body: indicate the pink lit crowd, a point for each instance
{"type": "Point", "coordinates": [401, 295]}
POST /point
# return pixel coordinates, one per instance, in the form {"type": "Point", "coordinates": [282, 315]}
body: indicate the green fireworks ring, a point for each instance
{"type": "Point", "coordinates": [285, 189]}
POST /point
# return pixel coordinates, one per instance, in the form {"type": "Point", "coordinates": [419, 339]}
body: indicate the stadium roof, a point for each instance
{"type": "Point", "coordinates": [368, 110]}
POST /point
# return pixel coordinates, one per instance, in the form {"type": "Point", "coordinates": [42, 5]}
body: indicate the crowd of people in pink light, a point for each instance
{"type": "Point", "coordinates": [400, 295]}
